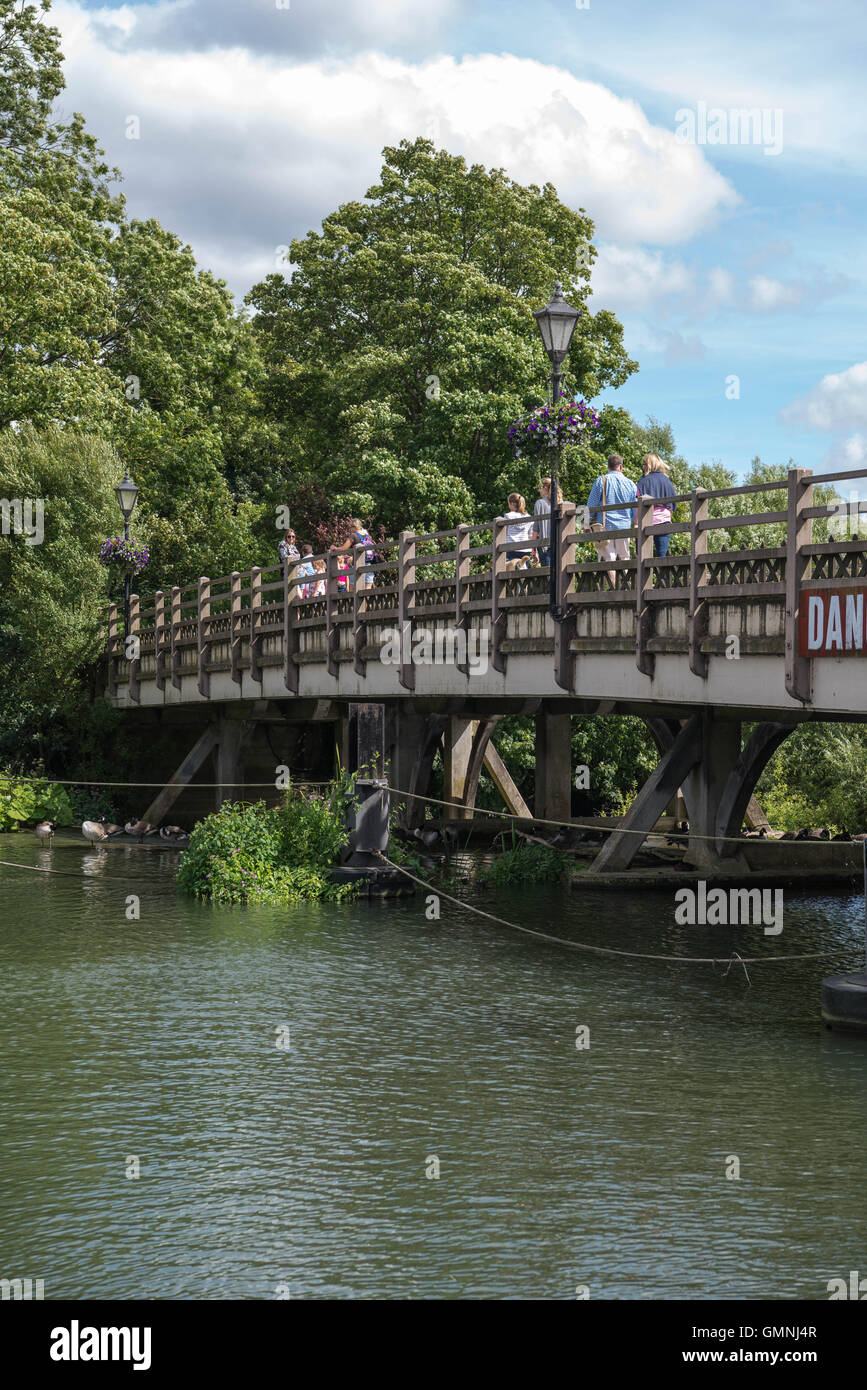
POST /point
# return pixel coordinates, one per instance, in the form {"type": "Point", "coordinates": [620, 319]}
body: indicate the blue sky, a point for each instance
{"type": "Point", "coordinates": [721, 260]}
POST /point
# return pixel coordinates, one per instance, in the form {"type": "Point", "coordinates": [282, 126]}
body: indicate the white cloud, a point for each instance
{"type": "Point", "coordinates": [839, 402]}
{"type": "Point", "coordinates": [846, 453]}
{"type": "Point", "coordinates": [767, 294]}
{"type": "Point", "coordinates": [241, 151]}
{"type": "Point", "coordinates": [629, 277]}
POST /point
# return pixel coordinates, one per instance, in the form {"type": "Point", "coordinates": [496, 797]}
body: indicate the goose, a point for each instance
{"type": "Point", "coordinates": [860, 837]}
{"type": "Point", "coordinates": [427, 837]}
{"type": "Point", "coordinates": [45, 831]}
{"type": "Point", "coordinates": [844, 835]}
{"type": "Point", "coordinates": [140, 828]}
{"type": "Point", "coordinates": [93, 831]}
{"type": "Point", "coordinates": [174, 834]}
{"type": "Point", "coordinates": [760, 834]}
{"type": "Point", "coordinates": [110, 829]}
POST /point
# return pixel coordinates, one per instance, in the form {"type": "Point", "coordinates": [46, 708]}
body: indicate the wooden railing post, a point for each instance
{"type": "Point", "coordinates": [175, 638]}
{"type": "Point", "coordinates": [799, 532]}
{"type": "Point", "coordinates": [256, 623]}
{"type": "Point", "coordinates": [565, 630]}
{"type": "Point", "coordinates": [204, 636]}
{"type": "Point", "coordinates": [643, 582]}
{"type": "Point", "coordinates": [111, 647]}
{"type": "Point", "coordinates": [499, 615]}
{"type": "Point", "coordinates": [462, 574]}
{"type": "Point", "coordinates": [332, 574]}
{"type": "Point", "coordinates": [133, 640]}
{"type": "Point", "coordinates": [291, 594]}
{"type": "Point", "coordinates": [235, 625]}
{"type": "Point", "coordinates": [359, 610]}
{"type": "Point", "coordinates": [159, 639]}
{"type": "Point", "coordinates": [405, 577]}
{"type": "Point", "coordinates": [698, 610]}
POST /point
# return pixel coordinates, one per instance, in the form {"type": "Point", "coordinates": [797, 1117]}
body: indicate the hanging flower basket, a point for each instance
{"type": "Point", "coordinates": [129, 554]}
{"type": "Point", "coordinates": [550, 426]}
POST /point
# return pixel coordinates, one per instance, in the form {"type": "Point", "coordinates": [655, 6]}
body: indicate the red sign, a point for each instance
{"type": "Point", "coordinates": [832, 622]}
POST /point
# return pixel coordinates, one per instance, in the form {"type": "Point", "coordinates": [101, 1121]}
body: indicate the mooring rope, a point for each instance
{"type": "Point", "coordinates": [733, 958]}
{"type": "Point", "coordinates": [611, 829]}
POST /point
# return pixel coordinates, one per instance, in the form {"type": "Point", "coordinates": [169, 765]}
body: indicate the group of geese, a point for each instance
{"type": "Point", "coordinates": [98, 830]}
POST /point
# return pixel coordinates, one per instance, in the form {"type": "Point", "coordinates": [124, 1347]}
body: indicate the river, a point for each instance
{"type": "Point", "coordinates": [285, 1079]}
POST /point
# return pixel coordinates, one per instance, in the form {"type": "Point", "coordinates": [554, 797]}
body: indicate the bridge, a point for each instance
{"type": "Point", "coordinates": [449, 636]}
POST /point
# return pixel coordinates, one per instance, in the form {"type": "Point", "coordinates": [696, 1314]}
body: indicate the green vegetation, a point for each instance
{"type": "Point", "coordinates": [523, 864]}
{"type": "Point", "coordinates": [260, 854]}
{"type": "Point", "coordinates": [27, 803]}
{"type": "Point", "coordinates": [818, 778]}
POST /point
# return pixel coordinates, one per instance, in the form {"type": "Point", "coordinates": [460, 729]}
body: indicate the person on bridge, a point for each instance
{"type": "Point", "coordinates": [360, 536]}
{"type": "Point", "coordinates": [518, 554]}
{"type": "Point", "coordinates": [611, 488]}
{"type": "Point", "coordinates": [541, 532]}
{"type": "Point", "coordinates": [287, 549]}
{"type": "Point", "coordinates": [303, 570]}
{"type": "Point", "coordinates": [657, 484]}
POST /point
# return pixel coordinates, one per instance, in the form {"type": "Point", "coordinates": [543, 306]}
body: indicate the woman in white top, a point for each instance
{"type": "Point", "coordinates": [518, 532]}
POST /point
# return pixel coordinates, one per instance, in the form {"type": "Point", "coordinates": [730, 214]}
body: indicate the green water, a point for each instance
{"type": "Point", "coordinates": [304, 1167]}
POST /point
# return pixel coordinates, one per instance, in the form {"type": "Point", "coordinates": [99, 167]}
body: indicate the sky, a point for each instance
{"type": "Point", "coordinates": [729, 245]}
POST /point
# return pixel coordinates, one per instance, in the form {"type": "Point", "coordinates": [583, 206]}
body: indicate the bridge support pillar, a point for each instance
{"type": "Point", "coordinates": [704, 757]}
{"type": "Point", "coordinates": [412, 743]}
{"type": "Point", "coordinates": [718, 752]}
{"type": "Point", "coordinates": [457, 751]}
{"type": "Point", "coordinates": [232, 738]}
{"type": "Point", "coordinates": [553, 785]}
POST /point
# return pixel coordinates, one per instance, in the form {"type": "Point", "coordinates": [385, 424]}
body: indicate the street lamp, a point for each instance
{"type": "Point", "coordinates": [126, 493]}
{"type": "Point", "coordinates": [556, 324]}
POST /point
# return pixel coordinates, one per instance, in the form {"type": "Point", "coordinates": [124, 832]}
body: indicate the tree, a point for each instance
{"type": "Point", "coordinates": [404, 344]}
{"type": "Point", "coordinates": [53, 593]}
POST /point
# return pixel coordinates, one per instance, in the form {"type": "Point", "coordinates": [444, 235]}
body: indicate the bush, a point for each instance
{"type": "Point", "coordinates": [27, 803]}
{"type": "Point", "coordinates": [253, 853]}
{"type": "Point", "coordinates": [526, 863]}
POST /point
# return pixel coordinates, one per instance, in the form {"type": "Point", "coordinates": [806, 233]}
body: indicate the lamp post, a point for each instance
{"type": "Point", "coordinates": [556, 324]}
{"type": "Point", "coordinates": [126, 493]}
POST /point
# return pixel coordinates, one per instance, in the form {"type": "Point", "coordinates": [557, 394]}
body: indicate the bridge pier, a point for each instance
{"type": "Point", "coordinates": [703, 756]}
{"type": "Point", "coordinates": [553, 785]}
{"type": "Point", "coordinates": [457, 760]}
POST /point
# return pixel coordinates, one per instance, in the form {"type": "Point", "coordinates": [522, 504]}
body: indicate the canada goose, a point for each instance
{"type": "Point", "coordinates": [93, 831]}
{"type": "Point", "coordinates": [760, 834]}
{"type": "Point", "coordinates": [173, 834]}
{"type": "Point", "coordinates": [814, 835]}
{"type": "Point", "coordinates": [862, 835]}
{"type": "Point", "coordinates": [140, 828]}
{"type": "Point", "coordinates": [44, 831]}
{"type": "Point", "coordinates": [110, 829]}
{"type": "Point", "coordinates": [844, 835]}
{"type": "Point", "coordinates": [427, 837]}
{"type": "Point", "coordinates": [791, 835]}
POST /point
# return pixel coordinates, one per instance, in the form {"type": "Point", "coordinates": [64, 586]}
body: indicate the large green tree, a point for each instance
{"type": "Point", "coordinates": [404, 344]}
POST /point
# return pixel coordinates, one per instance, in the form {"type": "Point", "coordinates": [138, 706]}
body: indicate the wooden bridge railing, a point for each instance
{"type": "Point", "coordinates": [461, 578]}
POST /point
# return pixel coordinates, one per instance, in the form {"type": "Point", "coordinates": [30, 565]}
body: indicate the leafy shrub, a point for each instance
{"type": "Point", "coordinates": [26, 803]}
{"type": "Point", "coordinates": [255, 853]}
{"type": "Point", "coordinates": [526, 863]}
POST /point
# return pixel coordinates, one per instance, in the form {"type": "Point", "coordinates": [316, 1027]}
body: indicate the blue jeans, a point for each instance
{"type": "Point", "coordinates": [660, 544]}
{"type": "Point", "coordinates": [544, 556]}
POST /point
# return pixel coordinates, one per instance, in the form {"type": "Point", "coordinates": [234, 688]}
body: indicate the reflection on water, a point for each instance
{"type": "Point", "coordinates": [285, 1078]}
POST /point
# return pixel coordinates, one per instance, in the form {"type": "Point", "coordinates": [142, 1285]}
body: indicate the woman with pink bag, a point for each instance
{"type": "Point", "coordinates": [657, 484]}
